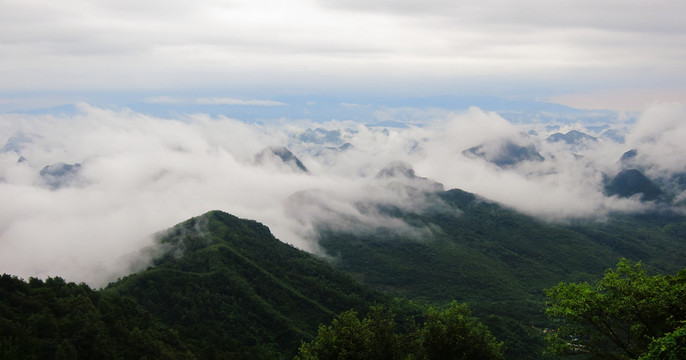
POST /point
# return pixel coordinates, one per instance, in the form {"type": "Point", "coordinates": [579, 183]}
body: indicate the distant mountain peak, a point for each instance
{"type": "Point", "coordinates": [505, 154]}
{"type": "Point", "coordinates": [631, 182]}
{"type": "Point", "coordinates": [347, 146]}
{"type": "Point", "coordinates": [280, 156]}
{"type": "Point", "coordinates": [628, 159]}
{"type": "Point", "coordinates": [631, 154]}
{"type": "Point", "coordinates": [60, 175]}
{"type": "Point", "coordinates": [573, 137]}
{"type": "Point", "coordinates": [397, 169]}
{"type": "Point", "coordinates": [403, 170]}
{"type": "Point", "coordinates": [333, 150]}
{"type": "Point", "coordinates": [16, 142]}
{"type": "Point", "coordinates": [613, 135]}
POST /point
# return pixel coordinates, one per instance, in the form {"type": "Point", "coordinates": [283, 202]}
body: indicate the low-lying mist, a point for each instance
{"type": "Point", "coordinates": [82, 194]}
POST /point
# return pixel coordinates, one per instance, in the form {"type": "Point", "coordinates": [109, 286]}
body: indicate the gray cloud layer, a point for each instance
{"type": "Point", "coordinates": [397, 46]}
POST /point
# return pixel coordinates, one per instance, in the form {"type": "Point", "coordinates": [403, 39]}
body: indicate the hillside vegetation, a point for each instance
{"type": "Point", "coordinates": [499, 261]}
{"type": "Point", "coordinates": [227, 288]}
{"type": "Point", "coordinates": [248, 294]}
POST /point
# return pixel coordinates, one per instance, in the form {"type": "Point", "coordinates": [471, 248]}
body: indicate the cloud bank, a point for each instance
{"type": "Point", "coordinates": [82, 194]}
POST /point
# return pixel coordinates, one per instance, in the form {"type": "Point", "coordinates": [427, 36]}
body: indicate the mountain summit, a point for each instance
{"type": "Point", "coordinates": [235, 291]}
{"type": "Point", "coordinates": [280, 157]}
{"type": "Point", "coordinates": [573, 137]}
{"type": "Point", "coordinates": [404, 171]}
{"type": "Point", "coordinates": [504, 154]}
{"type": "Point", "coordinates": [630, 182]}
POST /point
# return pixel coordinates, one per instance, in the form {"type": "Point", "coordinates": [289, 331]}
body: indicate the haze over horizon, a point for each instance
{"type": "Point", "coordinates": [121, 118]}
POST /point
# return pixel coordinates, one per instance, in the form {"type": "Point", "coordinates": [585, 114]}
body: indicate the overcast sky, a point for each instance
{"type": "Point", "coordinates": [601, 53]}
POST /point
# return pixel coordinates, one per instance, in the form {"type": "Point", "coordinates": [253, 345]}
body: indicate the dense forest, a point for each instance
{"type": "Point", "coordinates": [499, 261]}
{"type": "Point", "coordinates": [53, 319]}
{"type": "Point", "coordinates": [227, 288]}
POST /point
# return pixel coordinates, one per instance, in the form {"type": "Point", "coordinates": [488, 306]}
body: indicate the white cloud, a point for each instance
{"type": "Point", "coordinates": [659, 139]}
{"type": "Point", "coordinates": [141, 174]}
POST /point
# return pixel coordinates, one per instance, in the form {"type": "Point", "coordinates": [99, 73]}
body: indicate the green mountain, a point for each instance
{"type": "Point", "coordinates": [232, 290]}
{"type": "Point", "coordinates": [225, 288]}
{"type": "Point", "coordinates": [630, 182]}
{"type": "Point", "coordinates": [498, 260]}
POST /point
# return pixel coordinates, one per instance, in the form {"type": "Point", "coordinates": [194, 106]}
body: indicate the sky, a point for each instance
{"type": "Point", "coordinates": [119, 119]}
{"type": "Point", "coordinates": [600, 54]}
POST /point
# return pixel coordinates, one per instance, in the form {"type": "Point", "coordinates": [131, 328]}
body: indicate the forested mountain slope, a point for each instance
{"type": "Point", "coordinates": [230, 289]}
{"type": "Point", "coordinates": [479, 250]}
{"type": "Point", "coordinates": [226, 288]}
{"type": "Point", "coordinates": [499, 261]}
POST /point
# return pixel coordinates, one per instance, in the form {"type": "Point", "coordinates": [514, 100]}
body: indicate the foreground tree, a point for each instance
{"type": "Point", "coordinates": [450, 334]}
{"type": "Point", "coordinates": [620, 316]}
{"type": "Point", "coordinates": [456, 334]}
{"type": "Point", "coordinates": [672, 346]}
{"type": "Point", "coordinates": [348, 337]}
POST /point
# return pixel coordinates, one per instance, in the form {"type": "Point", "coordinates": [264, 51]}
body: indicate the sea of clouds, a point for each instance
{"type": "Point", "coordinates": [82, 194]}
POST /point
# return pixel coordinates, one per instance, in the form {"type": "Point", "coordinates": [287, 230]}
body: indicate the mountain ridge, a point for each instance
{"type": "Point", "coordinates": [226, 287]}
{"type": "Point", "coordinates": [252, 278]}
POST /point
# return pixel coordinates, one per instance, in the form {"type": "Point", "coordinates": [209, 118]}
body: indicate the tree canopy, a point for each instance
{"type": "Point", "coordinates": [452, 333]}
{"type": "Point", "coordinates": [672, 346]}
{"type": "Point", "coordinates": [56, 319]}
{"type": "Point", "coordinates": [626, 315]}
